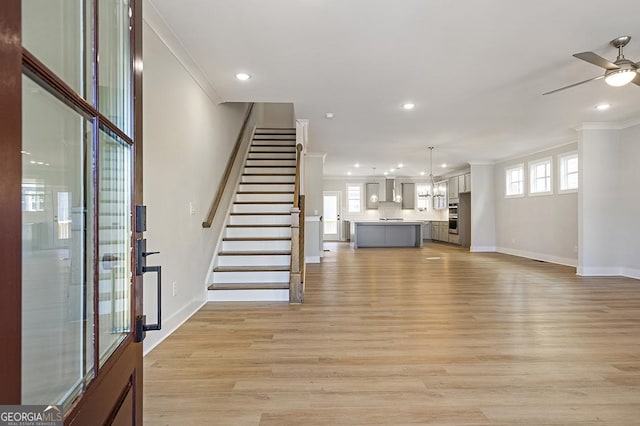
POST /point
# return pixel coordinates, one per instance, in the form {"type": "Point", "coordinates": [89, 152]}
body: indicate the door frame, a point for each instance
{"type": "Point", "coordinates": [122, 373]}
{"type": "Point", "coordinates": [338, 234]}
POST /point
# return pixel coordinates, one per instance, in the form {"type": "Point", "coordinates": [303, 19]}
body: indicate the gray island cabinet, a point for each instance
{"type": "Point", "coordinates": [387, 234]}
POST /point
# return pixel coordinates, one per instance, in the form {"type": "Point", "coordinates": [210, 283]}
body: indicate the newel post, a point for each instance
{"type": "Point", "coordinates": [296, 286]}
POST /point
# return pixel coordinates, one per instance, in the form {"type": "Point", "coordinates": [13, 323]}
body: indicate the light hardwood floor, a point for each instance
{"type": "Point", "coordinates": [410, 336]}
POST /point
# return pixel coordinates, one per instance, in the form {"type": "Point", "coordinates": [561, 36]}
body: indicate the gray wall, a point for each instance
{"type": "Point", "coordinates": [483, 207]}
{"type": "Point", "coordinates": [543, 227]}
{"type": "Point", "coordinates": [187, 142]}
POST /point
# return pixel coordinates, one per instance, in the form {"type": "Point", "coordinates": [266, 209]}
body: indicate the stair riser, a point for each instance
{"type": "Point", "coordinates": [248, 295]}
{"type": "Point", "coordinates": [280, 155]}
{"type": "Point", "coordinates": [265, 197]}
{"type": "Point", "coordinates": [255, 245]}
{"type": "Point", "coordinates": [262, 208]}
{"type": "Point", "coordinates": [263, 170]}
{"type": "Point", "coordinates": [262, 178]}
{"type": "Point", "coordinates": [285, 149]}
{"type": "Point", "coordinates": [258, 232]}
{"type": "Point", "coordinates": [260, 220]}
{"type": "Point", "coordinates": [244, 187]}
{"type": "Point", "coordinates": [279, 130]}
{"type": "Point", "coordinates": [251, 277]}
{"type": "Point", "coordinates": [288, 140]}
{"type": "Point", "coordinates": [256, 260]}
{"type": "Point", "coordinates": [269, 162]}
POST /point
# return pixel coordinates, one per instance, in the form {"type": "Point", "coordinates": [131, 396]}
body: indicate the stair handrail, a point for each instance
{"type": "Point", "coordinates": [227, 172]}
{"type": "Point", "coordinates": [296, 187]}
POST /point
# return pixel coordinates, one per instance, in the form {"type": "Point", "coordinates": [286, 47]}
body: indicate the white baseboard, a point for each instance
{"type": "Point", "coordinates": [482, 249]}
{"type": "Point", "coordinates": [609, 271]}
{"type": "Point", "coordinates": [270, 295]}
{"type": "Point", "coordinates": [312, 259]}
{"type": "Point", "coordinates": [539, 256]}
{"type": "Point", "coordinates": [171, 324]}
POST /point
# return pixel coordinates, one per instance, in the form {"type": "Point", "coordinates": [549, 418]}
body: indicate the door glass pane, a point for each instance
{"type": "Point", "coordinates": [56, 32]}
{"type": "Point", "coordinates": [114, 58]}
{"type": "Point", "coordinates": [55, 243]}
{"type": "Point", "coordinates": [114, 242]}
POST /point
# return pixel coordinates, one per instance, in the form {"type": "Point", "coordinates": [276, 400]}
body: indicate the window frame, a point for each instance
{"type": "Point", "coordinates": [562, 159]}
{"type": "Point", "coordinates": [531, 166]}
{"type": "Point", "coordinates": [508, 182]}
{"type": "Point", "coordinates": [360, 197]}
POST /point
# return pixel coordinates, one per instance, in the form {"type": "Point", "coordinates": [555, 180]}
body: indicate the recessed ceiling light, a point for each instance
{"type": "Point", "coordinates": [392, 170]}
{"type": "Point", "coordinates": [602, 107]}
{"type": "Point", "coordinates": [400, 165]}
{"type": "Point", "coordinates": [386, 173]}
{"type": "Point", "coordinates": [243, 76]}
{"type": "Point", "coordinates": [356, 165]}
{"type": "Point", "coordinates": [409, 106]}
{"type": "Point", "coordinates": [444, 166]}
{"type": "Point", "coordinates": [421, 173]}
{"type": "Point", "coordinates": [328, 115]}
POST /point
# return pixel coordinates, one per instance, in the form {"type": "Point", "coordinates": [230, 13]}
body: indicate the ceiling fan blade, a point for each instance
{"type": "Point", "coordinates": [594, 59]}
{"type": "Point", "coordinates": [637, 79]}
{"type": "Point", "coordinates": [574, 85]}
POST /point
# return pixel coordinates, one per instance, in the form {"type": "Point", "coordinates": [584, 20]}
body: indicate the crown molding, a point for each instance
{"type": "Point", "coordinates": [158, 25]}
{"type": "Point", "coordinates": [322, 155]}
{"type": "Point", "coordinates": [611, 125]}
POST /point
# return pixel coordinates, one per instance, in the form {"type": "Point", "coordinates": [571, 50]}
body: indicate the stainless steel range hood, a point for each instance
{"type": "Point", "coordinates": [391, 193]}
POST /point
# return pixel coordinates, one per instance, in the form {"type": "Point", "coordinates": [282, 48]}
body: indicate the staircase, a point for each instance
{"type": "Point", "coordinates": [253, 261]}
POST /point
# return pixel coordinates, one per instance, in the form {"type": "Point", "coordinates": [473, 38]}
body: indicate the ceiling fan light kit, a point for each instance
{"type": "Point", "coordinates": [617, 74]}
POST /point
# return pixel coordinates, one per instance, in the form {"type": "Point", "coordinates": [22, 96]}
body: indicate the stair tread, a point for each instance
{"type": "Point", "coordinates": [271, 152]}
{"type": "Point", "coordinates": [264, 192]}
{"type": "Point", "coordinates": [269, 166]}
{"type": "Point", "coordinates": [255, 253]}
{"type": "Point", "coordinates": [249, 286]}
{"type": "Point", "coordinates": [261, 214]}
{"type": "Point", "coordinates": [271, 159]}
{"type": "Point", "coordinates": [261, 225]}
{"type": "Point", "coordinates": [256, 239]}
{"type": "Point", "coordinates": [263, 202]}
{"type": "Point", "coordinates": [275, 268]}
{"type": "Point", "coordinates": [267, 174]}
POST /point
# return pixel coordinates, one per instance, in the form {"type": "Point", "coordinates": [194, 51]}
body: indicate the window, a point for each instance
{"type": "Point", "coordinates": [423, 190]}
{"type": "Point", "coordinates": [514, 178]}
{"type": "Point", "coordinates": [568, 172]}
{"type": "Point", "coordinates": [354, 198]}
{"type": "Point", "coordinates": [540, 177]}
{"type": "Point", "coordinates": [32, 197]}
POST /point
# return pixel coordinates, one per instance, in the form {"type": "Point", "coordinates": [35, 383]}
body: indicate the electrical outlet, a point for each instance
{"type": "Point", "coordinates": [173, 289]}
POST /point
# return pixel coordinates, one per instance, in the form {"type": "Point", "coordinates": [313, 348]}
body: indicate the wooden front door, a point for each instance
{"type": "Point", "coordinates": [71, 129]}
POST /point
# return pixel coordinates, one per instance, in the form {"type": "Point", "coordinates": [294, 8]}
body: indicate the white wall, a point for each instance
{"type": "Point", "coordinates": [543, 227]}
{"type": "Point", "coordinates": [609, 201]}
{"type": "Point", "coordinates": [483, 215]}
{"type": "Point", "coordinates": [277, 115]}
{"type": "Point", "coordinates": [187, 142]}
{"type": "Point", "coordinates": [630, 196]}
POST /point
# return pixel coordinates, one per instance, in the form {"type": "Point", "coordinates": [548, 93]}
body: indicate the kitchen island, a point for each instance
{"type": "Point", "coordinates": [387, 234]}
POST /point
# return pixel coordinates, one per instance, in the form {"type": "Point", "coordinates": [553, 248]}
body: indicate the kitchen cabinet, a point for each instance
{"type": "Point", "coordinates": [372, 193]}
{"type": "Point", "coordinates": [440, 231]}
{"type": "Point", "coordinates": [454, 239]}
{"type": "Point", "coordinates": [408, 196]}
{"type": "Point", "coordinates": [427, 231]}
{"type": "Point", "coordinates": [453, 188]}
{"type": "Point", "coordinates": [464, 183]}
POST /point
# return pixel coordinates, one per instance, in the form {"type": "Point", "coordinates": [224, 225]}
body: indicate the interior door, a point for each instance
{"type": "Point", "coordinates": [71, 156]}
{"type": "Point", "coordinates": [331, 215]}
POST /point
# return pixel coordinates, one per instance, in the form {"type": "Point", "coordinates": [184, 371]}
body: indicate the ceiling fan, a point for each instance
{"type": "Point", "coordinates": [618, 73]}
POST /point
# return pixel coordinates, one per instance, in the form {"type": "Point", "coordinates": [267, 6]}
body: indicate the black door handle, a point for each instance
{"type": "Point", "coordinates": [141, 321]}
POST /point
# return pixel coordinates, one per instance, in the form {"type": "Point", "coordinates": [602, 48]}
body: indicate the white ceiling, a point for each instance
{"type": "Point", "coordinates": [476, 71]}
